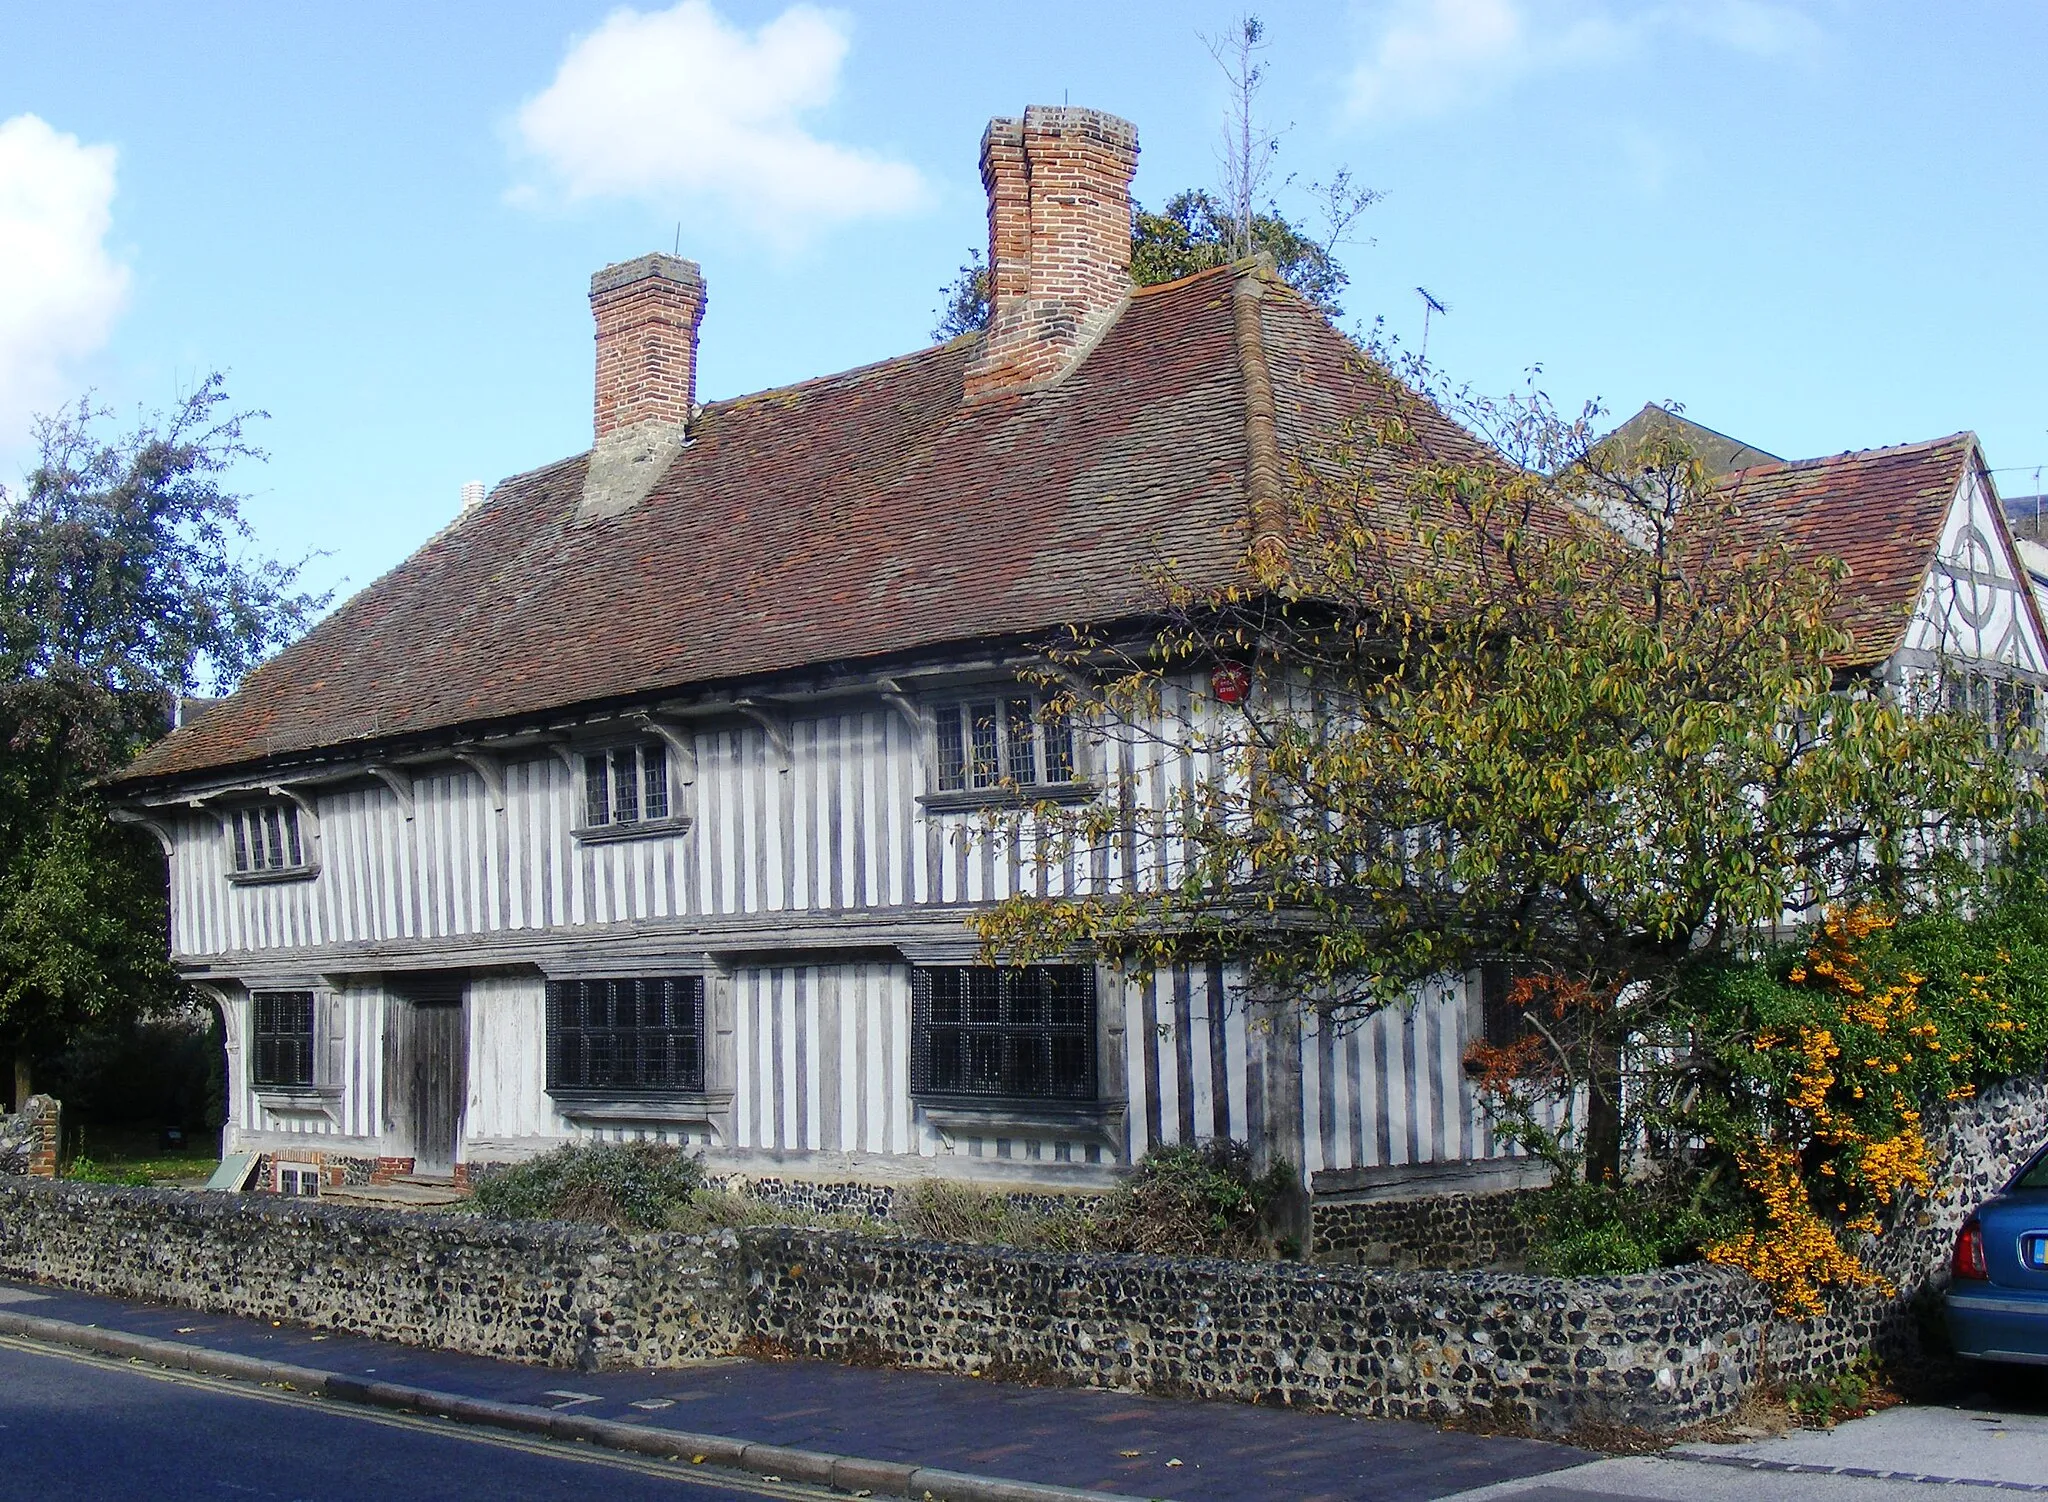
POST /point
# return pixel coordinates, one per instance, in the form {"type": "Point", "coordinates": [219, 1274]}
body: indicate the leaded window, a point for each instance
{"type": "Point", "coordinates": [626, 785]}
{"type": "Point", "coordinates": [284, 1037]}
{"type": "Point", "coordinates": [632, 1036]}
{"type": "Point", "coordinates": [1005, 1032]}
{"type": "Point", "coordinates": [992, 743]}
{"type": "Point", "coordinates": [266, 837]}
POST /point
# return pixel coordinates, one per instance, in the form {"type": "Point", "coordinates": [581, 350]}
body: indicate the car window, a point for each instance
{"type": "Point", "coordinates": [2035, 1175]}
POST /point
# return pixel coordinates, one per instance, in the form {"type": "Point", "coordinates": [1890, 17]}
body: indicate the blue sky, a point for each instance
{"type": "Point", "coordinates": [1818, 223]}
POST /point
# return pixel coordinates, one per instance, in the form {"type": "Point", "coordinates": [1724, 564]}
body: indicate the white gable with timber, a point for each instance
{"type": "Point", "coordinates": [1975, 605]}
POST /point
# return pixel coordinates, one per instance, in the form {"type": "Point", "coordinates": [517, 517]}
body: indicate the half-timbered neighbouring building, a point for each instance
{"type": "Point", "coordinates": [642, 800]}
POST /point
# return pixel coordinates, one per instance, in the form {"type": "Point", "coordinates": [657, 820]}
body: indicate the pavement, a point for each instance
{"type": "Point", "coordinates": [1098, 1441]}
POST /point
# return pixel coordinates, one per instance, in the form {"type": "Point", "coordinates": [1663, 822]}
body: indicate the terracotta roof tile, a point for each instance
{"type": "Point", "coordinates": [1879, 511]}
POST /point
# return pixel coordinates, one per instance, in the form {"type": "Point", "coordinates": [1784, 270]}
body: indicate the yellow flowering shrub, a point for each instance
{"type": "Point", "coordinates": [1831, 1065]}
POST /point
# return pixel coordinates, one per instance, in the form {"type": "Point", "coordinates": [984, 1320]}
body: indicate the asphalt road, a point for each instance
{"type": "Point", "coordinates": [73, 1426]}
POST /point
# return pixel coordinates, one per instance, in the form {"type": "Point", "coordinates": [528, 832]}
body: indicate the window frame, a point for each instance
{"type": "Point", "coordinates": [303, 1172]}
{"type": "Point", "coordinates": [943, 1056]}
{"type": "Point", "coordinates": [602, 761]}
{"type": "Point", "coordinates": [270, 839]}
{"type": "Point", "coordinates": [264, 1074]}
{"type": "Point", "coordinates": [973, 760]}
{"type": "Point", "coordinates": [685, 993]}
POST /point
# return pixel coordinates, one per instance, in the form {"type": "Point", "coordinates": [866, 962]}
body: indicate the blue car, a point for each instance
{"type": "Point", "coordinates": [1998, 1297]}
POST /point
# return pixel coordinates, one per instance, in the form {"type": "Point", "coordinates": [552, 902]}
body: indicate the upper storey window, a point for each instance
{"type": "Point", "coordinates": [991, 744]}
{"type": "Point", "coordinates": [266, 840]}
{"type": "Point", "coordinates": [626, 785]}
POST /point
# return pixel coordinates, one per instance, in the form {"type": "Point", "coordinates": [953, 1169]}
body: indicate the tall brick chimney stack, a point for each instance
{"type": "Point", "coordinates": [647, 315]}
{"type": "Point", "coordinates": [1059, 240]}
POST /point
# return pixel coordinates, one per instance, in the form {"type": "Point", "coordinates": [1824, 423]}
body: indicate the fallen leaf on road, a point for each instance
{"type": "Point", "coordinates": [1173, 1462]}
{"type": "Point", "coordinates": [1130, 1454]}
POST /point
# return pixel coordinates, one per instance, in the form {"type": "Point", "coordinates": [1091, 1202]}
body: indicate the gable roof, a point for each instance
{"type": "Point", "coordinates": [1879, 511]}
{"type": "Point", "coordinates": [858, 516]}
{"type": "Point", "coordinates": [1717, 450]}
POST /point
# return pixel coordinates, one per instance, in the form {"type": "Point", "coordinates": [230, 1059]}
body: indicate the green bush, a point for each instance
{"type": "Point", "coordinates": [636, 1186]}
{"type": "Point", "coordinates": [1581, 1230]}
{"type": "Point", "coordinates": [1197, 1200]}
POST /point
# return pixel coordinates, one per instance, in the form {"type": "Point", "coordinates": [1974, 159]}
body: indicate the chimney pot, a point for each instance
{"type": "Point", "coordinates": [472, 494]}
{"type": "Point", "coordinates": [647, 312]}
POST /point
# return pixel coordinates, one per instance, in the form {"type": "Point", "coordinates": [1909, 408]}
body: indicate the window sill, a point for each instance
{"type": "Point", "coordinates": [620, 1106]}
{"type": "Point", "coordinates": [267, 878]}
{"type": "Point", "coordinates": [299, 1100]}
{"type": "Point", "coordinates": [646, 829]}
{"type": "Point", "coordinates": [1010, 1116]}
{"type": "Point", "coordinates": [967, 800]}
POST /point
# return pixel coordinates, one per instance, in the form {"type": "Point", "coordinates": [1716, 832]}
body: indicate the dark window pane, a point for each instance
{"type": "Point", "coordinates": [284, 1037]}
{"type": "Point", "coordinates": [597, 798]}
{"type": "Point", "coordinates": [626, 1035]}
{"type": "Point", "coordinates": [952, 750]}
{"type": "Point", "coordinates": [1020, 741]}
{"type": "Point", "coordinates": [273, 843]}
{"type": "Point", "coordinates": [1002, 1032]}
{"type": "Point", "coordinates": [625, 787]}
{"type": "Point", "coordinates": [986, 770]}
{"type": "Point", "coordinates": [293, 850]}
{"type": "Point", "coordinates": [654, 779]}
{"type": "Point", "coordinates": [240, 824]}
{"type": "Point", "coordinates": [1059, 748]}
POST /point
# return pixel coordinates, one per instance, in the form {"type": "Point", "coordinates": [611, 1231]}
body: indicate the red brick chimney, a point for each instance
{"type": "Point", "coordinates": [1059, 241]}
{"type": "Point", "coordinates": [647, 315]}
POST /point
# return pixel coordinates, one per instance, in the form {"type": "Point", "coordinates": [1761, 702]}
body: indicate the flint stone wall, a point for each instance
{"type": "Point", "coordinates": [1659, 1350]}
{"type": "Point", "coordinates": [1448, 1232]}
{"type": "Point", "coordinates": [560, 1295]}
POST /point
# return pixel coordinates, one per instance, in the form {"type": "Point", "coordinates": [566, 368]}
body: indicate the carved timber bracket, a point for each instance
{"type": "Point", "coordinates": [145, 821]}
{"type": "Point", "coordinates": [906, 707]}
{"type": "Point", "coordinates": [774, 722]}
{"type": "Point", "coordinates": [490, 769]}
{"type": "Point", "coordinates": [682, 747]}
{"type": "Point", "coordinates": [398, 781]}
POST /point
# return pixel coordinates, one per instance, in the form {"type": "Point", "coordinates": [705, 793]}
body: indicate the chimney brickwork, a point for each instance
{"type": "Point", "coordinates": [647, 314]}
{"type": "Point", "coordinates": [1059, 240]}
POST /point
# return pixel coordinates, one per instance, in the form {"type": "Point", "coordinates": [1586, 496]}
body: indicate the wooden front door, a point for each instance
{"type": "Point", "coordinates": [426, 1052]}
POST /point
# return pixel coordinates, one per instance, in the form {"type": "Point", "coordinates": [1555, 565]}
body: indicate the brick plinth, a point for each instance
{"type": "Point", "coordinates": [388, 1169]}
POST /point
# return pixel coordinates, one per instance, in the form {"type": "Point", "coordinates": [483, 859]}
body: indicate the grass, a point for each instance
{"type": "Point", "coordinates": [126, 1155]}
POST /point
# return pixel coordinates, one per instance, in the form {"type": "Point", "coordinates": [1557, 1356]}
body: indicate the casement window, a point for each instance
{"type": "Point", "coordinates": [283, 1037]}
{"type": "Point", "coordinates": [987, 744]}
{"type": "Point", "coordinates": [265, 838]}
{"type": "Point", "coordinates": [2005, 705]}
{"type": "Point", "coordinates": [626, 785]}
{"type": "Point", "coordinates": [1004, 1032]}
{"type": "Point", "coordinates": [298, 1180]}
{"type": "Point", "coordinates": [630, 1036]}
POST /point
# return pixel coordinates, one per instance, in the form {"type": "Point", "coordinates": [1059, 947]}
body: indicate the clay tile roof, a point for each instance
{"type": "Point", "coordinates": [858, 516]}
{"type": "Point", "coordinates": [1879, 511]}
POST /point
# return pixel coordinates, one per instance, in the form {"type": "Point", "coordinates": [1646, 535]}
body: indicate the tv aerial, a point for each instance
{"type": "Point", "coordinates": [1431, 303]}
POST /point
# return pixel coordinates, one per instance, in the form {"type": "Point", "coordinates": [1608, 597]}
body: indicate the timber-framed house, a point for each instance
{"type": "Point", "coordinates": [640, 801]}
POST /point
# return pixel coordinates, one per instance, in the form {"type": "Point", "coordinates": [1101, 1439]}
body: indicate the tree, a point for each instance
{"type": "Point", "coordinates": [1515, 699]}
{"type": "Point", "coordinates": [120, 590]}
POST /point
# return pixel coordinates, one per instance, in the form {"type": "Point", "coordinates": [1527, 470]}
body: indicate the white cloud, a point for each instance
{"type": "Point", "coordinates": [60, 290]}
{"type": "Point", "coordinates": [1427, 57]}
{"type": "Point", "coordinates": [680, 107]}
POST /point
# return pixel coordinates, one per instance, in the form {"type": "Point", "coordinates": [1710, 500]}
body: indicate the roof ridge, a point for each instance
{"type": "Point", "coordinates": [851, 372]}
{"type": "Point", "coordinates": [1884, 451]}
{"type": "Point", "coordinates": [1151, 289]}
